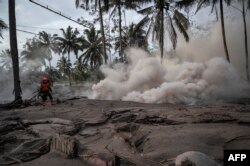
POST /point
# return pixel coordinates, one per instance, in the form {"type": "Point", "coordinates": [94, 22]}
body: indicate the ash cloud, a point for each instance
{"type": "Point", "coordinates": [145, 79]}
{"type": "Point", "coordinates": [195, 72]}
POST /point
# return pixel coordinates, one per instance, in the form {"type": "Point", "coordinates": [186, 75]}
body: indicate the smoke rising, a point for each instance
{"type": "Point", "coordinates": [197, 72]}
{"type": "Point", "coordinates": [145, 79]}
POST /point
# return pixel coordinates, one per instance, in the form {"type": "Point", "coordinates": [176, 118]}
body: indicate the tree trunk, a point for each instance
{"type": "Point", "coordinates": [162, 34]}
{"type": "Point", "coordinates": [69, 70]}
{"type": "Point", "coordinates": [14, 50]}
{"type": "Point", "coordinates": [120, 31]}
{"type": "Point", "coordinates": [246, 42]}
{"type": "Point", "coordinates": [223, 30]}
{"type": "Point", "coordinates": [50, 64]}
{"type": "Point", "coordinates": [102, 31]}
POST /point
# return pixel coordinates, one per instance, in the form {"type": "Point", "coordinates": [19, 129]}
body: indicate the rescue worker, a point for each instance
{"type": "Point", "coordinates": [45, 90]}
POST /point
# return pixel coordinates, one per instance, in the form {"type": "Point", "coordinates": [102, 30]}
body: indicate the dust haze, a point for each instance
{"type": "Point", "coordinates": [197, 72]}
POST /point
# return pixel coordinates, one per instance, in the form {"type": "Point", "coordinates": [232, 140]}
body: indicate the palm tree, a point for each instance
{"type": "Point", "coordinates": [77, 3]}
{"type": "Point", "coordinates": [33, 54]}
{"type": "Point", "coordinates": [80, 70]}
{"type": "Point", "coordinates": [213, 3]}
{"type": "Point", "coordinates": [117, 7]}
{"type": "Point", "coordinates": [53, 73]}
{"type": "Point", "coordinates": [2, 27]}
{"type": "Point", "coordinates": [48, 45]}
{"type": "Point", "coordinates": [68, 43]}
{"type": "Point", "coordinates": [14, 50]}
{"type": "Point", "coordinates": [64, 66]}
{"type": "Point", "coordinates": [6, 60]}
{"type": "Point", "coordinates": [163, 11]}
{"type": "Point", "coordinates": [134, 36]}
{"type": "Point", "coordinates": [243, 12]}
{"type": "Point", "coordinates": [92, 46]}
{"type": "Point", "coordinates": [245, 34]}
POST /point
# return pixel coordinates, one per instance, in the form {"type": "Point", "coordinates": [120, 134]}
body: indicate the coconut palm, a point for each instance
{"type": "Point", "coordinates": [77, 3]}
{"type": "Point", "coordinates": [134, 36]}
{"type": "Point", "coordinates": [33, 56]}
{"type": "Point", "coordinates": [5, 59]}
{"type": "Point", "coordinates": [14, 50]}
{"type": "Point", "coordinates": [48, 45]}
{"type": "Point", "coordinates": [69, 43]}
{"type": "Point", "coordinates": [245, 34]}
{"type": "Point", "coordinates": [243, 12]}
{"type": "Point", "coordinates": [165, 11]}
{"type": "Point", "coordinates": [202, 3]}
{"type": "Point", "coordinates": [2, 27]}
{"type": "Point", "coordinates": [92, 46]}
{"type": "Point", "coordinates": [117, 6]}
{"type": "Point", "coordinates": [80, 71]}
{"type": "Point", "coordinates": [64, 66]}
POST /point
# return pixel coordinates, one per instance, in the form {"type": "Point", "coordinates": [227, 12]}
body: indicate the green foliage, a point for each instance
{"type": "Point", "coordinates": [95, 75]}
{"type": "Point", "coordinates": [53, 73]}
{"type": "Point", "coordinates": [92, 48]}
{"type": "Point", "coordinates": [33, 56]}
{"type": "Point", "coordinates": [134, 36]}
{"type": "Point", "coordinates": [80, 71]}
{"type": "Point", "coordinates": [64, 66]}
{"type": "Point", "coordinates": [69, 41]}
{"type": "Point", "coordinates": [165, 14]}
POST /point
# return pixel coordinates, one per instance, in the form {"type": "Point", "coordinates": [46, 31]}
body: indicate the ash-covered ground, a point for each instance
{"type": "Point", "coordinates": [152, 133]}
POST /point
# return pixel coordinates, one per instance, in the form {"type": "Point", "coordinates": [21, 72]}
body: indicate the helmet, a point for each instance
{"type": "Point", "coordinates": [44, 78]}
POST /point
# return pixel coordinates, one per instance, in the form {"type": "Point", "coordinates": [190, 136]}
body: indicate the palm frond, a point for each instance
{"type": "Point", "coordinates": [147, 10]}
{"type": "Point", "coordinates": [181, 27]}
{"type": "Point", "coordinates": [185, 3]}
{"type": "Point", "coordinates": [171, 31]}
{"type": "Point", "coordinates": [182, 19]}
{"type": "Point", "coordinates": [112, 12]}
{"type": "Point", "coordinates": [201, 4]}
{"type": "Point", "coordinates": [142, 23]}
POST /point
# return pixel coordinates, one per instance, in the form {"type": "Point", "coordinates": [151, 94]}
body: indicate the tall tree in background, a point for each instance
{"type": "Point", "coordinates": [244, 12]}
{"type": "Point", "coordinates": [69, 43]}
{"type": "Point", "coordinates": [48, 44]}
{"type": "Point", "coordinates": [213, 3]}
{"type": "Point", "coordinates": [92, 46]}
{"type": "Point", "coordinates": [245, 35]}
{"type": "Point", "coordinates": [14, 50]}
{"type": "Point", "coordinates": [134, 36]}
{"type": "Point", "coordinates": [100, 9]}
{"type": "Point", "coordinates": [223, 29]}
{"type": "Point", "coordinates": [117, 7]}
{"type": "Point", "coordinates": [34, 54]}
{"type": "Point", "coordinates": [64, 66]}
{"type": "Point", "coordinates": [161, 12]}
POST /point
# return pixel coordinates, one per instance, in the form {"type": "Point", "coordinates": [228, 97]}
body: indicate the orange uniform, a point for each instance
{"type": "Point", "coordinates": [45, 89]}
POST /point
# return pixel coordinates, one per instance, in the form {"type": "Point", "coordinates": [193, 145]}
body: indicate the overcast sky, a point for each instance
{"type": "Point", "coordinates": [29, 14]}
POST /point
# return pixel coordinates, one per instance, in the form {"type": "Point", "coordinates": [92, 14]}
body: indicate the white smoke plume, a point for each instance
{"type": "Point", "coordinates": [145, 79]}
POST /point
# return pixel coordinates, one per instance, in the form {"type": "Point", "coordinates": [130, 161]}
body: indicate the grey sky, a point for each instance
{"type": "Point", "coordinates": [29, 14]}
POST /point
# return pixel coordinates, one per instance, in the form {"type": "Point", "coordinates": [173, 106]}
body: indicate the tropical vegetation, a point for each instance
{"type": "Point", "coordinates": [161, 20]}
